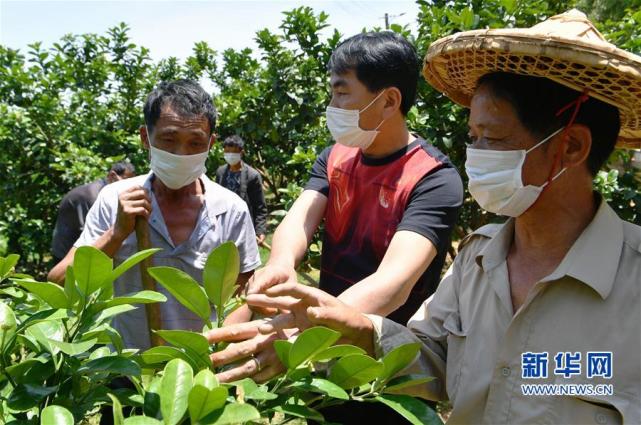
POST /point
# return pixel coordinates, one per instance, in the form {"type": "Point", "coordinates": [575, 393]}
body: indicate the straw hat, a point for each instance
{"type": "Point", "coordinates": [566, 48]}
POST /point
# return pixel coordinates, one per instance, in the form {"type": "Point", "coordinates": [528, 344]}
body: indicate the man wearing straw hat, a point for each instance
{"type": "Point", "coordinates": [539, 319]}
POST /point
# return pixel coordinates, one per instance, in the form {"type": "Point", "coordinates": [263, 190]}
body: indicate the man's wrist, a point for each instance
{"type": "Point", "coordinates": [366, 335]}
{"type": "Point", "coordinates": [115, 238]}
{"type": "Point", "coordinates": [281, 262]}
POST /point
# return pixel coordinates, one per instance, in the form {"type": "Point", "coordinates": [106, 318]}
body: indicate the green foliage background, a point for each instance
{"type": "Point", "coordinates": [68, 110]}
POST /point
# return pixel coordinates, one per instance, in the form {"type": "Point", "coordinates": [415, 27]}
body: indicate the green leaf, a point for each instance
{"type": "Point", "coordinates": [58, 415]}
{"type": "Point", "coordinates": [71, 287]}
{"type": "Point", "coordinates": [398, 359]}
{"type": "Point", "coordinates": [53, 294]}
{"type": "Point", "coordinates": [141, 297]}
{"type": "Point", "coordinates": [91, 267]}
{"type": "Point", "coordinates": [322, 386]}
{"type": "Point", "coordinates": [186, 339]}
{"type": "Point", "coordinates": [151, 405]}
{"type": "Point", "coordinates": [283, 349]}
{"type": "Point", "coordinates": [129, 263]}
{"type": "Point", "coordinates": [106, 335]}
{"type": "Point", "coordinates": [355, 370]}
{"type": "Point", "coordinates": [203, 400]}
{"type": "Point", "coordinates": [260, 393]}
{"type": "Point", "coordinates": [26, 396]}
{"type": "Point", "coordinates": [309, 343]}
{"type": "Point", "coordinates": [7, 323]}
{"type": "Point", "coordinates": [110, 312]}
{"type": "Point", "coordinates": [111, 364]}
{"type": "Point", "coordinates": [118, 418]}
{"type": "Point", "coordinates": [31, 371]}
{"type": "Point", "coordinates": [336, 352]}
{"type": "Point", "coordinates": [405, 381]}
{"type": "Point", "coordinates": [163, 354]}
{"type": "Point", "coordinates": [184, 289]}
{"type": "Point", "coordinates": [7, 264]}
{"type": "Point", "coordinates": [73, 348]}
{"type": "Point", "coordinates": [220, 274]}
{"type": "Point", "coordinates": [300, 412]}
{"type": "Point", "coordinates": [45, 316]}
{"type": "Point", "coordinates": [194, 344]}
{"type": "Point", "coordinates": [234, 413]}
{"type": "Point", "coordinates": [415, 411]}
{"type": "Point", "coordinates": [207, 379]}
{"type": "Point", "coordinates": [142, 420]}
{"type": "Point", "coordinates": [44, 332]}
{"type": "Point", "coordinates": [175, 386]}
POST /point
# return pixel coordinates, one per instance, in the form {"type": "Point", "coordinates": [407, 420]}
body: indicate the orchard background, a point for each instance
{"type": "Point", "coordinates": [68, 110]}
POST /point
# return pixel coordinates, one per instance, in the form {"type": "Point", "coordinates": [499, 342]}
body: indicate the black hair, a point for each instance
{"type": "Point", "coordinates": [121, 167]}
{"type": "Point", "coordinates": [187, 98]}
{"type": "Point", "coordinates": [537, 100]}
{"type": "Point", "coordinates": [380, 60]}
{"type": "Point", "coordinates": [234, 141]}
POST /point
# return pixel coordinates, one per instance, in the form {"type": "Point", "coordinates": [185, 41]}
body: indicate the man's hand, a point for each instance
{"type": "Point", "coordinates": [307, 306]}
{"type": "Point", "coordinates": [255, 350]}
{"type": "Point", "coordinates": [268, 276]}
{"type": "Point", "coordinates": [132, 202]}
{"type": "Point", "coordinates": [260, 239]}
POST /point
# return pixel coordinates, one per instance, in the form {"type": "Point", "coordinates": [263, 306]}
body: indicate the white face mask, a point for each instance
{"type": "Point", "coordinates": [343, 124]}
{"type": "Point", "coordinates": [232, 158]}
{"type": "Point", "coordinates": [176, 171]}
{"type": "Point", "coordinates": [495, 179]}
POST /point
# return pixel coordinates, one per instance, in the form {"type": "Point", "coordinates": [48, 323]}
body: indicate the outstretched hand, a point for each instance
{"type": "Point", "coordinates": [306, 306]}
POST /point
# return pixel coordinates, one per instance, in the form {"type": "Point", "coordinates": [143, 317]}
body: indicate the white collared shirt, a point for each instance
{"type": "Point", "coordinates": [223, 217]}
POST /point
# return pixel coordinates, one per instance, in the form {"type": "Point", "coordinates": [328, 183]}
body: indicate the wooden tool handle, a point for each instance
{"type": "Point", "coordinates": [152, 309]}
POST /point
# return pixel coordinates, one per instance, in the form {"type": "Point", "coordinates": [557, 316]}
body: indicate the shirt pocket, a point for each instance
{"type": "Point", "coordinates": [585, 410]}
{"type": "Point", "coordinates": [456, 340]}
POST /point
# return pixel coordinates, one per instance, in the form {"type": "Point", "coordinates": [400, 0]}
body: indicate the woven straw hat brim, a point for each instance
{"type": "Point", "coordinates": [454, 64]}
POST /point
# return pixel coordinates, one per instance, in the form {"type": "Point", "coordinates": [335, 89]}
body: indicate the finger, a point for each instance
{"type": "Point", "coordinates": [267, 278]}
{"type": "Point", "coordinates": [280, 322]}
{"type": "Point", "coordinates": [237, 332]}
{"type": "Point", "coordinates": [137, 203]}
{"type": "Point", "coordinates": [268, 373]}
{"type": "Point", "coordinates": [137, 211]}
{"type": "Point", "coordinates": [133, 193]}
{"type": "Point", "coordinates": [270, 367]}
{"type": "Point", "coordinates": [264, 311]}
{"type": "Point", "coordinates": [296, 290]}
{"type": "Point", "coordinates": [241, 350]}
{"type": "Point", "coordinates": [241, 371]}
{"type": "Point", "coordinates": [262, 300]}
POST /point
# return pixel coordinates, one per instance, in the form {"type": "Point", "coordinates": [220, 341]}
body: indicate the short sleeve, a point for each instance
{"type": "Point", "coordinates": [318, 180]}
{"type": "Point", "coordinates": [241, 232]}
{"type": "Point", "coordinates": [100, 218]}
{"type": "Point", "coordinates": [434, 206]}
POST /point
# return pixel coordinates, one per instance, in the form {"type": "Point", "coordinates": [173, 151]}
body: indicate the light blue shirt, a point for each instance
{"type": "Point", "coordinates": [223, 217]}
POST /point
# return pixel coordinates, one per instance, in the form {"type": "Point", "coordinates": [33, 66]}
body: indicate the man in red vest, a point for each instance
{"type": "Point", "coordinates": [387, 197]}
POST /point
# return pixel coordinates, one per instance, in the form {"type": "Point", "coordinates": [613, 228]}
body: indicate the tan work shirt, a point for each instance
{"type": "Point", "coordinates": [474, 343]}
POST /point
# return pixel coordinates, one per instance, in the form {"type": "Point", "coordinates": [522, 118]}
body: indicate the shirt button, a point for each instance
{"type": "Point", "coordinates": [600, 418]}
{"type": "Point", "coordinates": [506, 371]}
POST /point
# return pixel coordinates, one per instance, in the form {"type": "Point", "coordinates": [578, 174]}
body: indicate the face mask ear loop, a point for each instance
{"type": "Point", "coordinates": [370, 104]}
{"type": "Point", "coordinates": [565, 135]}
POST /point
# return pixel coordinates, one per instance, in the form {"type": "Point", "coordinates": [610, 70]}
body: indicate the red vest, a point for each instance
{"type": "Point", "coordinates": [366, 203]}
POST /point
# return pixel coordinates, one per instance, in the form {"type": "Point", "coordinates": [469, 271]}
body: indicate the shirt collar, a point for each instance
{"type": "Point", "coordinates": [593, 258]}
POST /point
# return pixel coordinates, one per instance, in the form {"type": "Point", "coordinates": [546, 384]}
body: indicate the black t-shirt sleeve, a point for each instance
{"type": "Point", "coordinates": [434, 205]}
{"type": "Point", "coordinates": [318, 180]}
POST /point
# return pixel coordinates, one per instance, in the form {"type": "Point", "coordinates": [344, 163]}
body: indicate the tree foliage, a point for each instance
{"type": "Point", "coordinates": [68, 110]}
